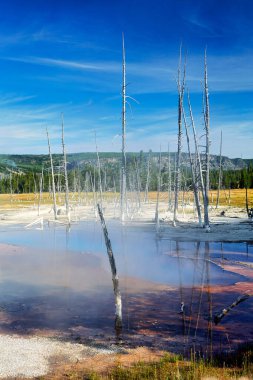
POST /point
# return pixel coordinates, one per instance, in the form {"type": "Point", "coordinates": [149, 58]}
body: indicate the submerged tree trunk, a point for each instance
{"type": "Point", "coordinates": [52, 175]}
{"type": "Point", "coordinates": [115, 278]}
{"type": "Point", "coordinates": [123, 157]}
{"type": "Point", "coordinates": [225, 311]}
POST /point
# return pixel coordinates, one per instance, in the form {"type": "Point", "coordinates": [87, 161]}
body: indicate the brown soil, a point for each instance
{"type": "Point", "coordinates": [103, 363]}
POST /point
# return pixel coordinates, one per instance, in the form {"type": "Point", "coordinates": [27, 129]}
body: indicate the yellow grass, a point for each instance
{"type": "Point", "coordinates": [235, 199]}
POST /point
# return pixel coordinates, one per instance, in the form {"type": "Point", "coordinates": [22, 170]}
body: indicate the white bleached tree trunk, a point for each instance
{"type": "Point", "coordinates": [123, 157]}
{"type": "Point", "coordinates": [65, 173]}
{"type": "Point", "coordinates": [99, 172]}
{"type": "Point", "coordinates": [52, 176]}
{"type": "Point", "coordinates": [41, 190]}
{"type": "Point", "coordinates": [194, 181]}
{"type": "Point", "coordinates": [200, 180]}
{"type": "Point", "coordinates": [220, 173]}
{"type": "Point", "coordinates": [180, 85]}
{"type": "Point", "coordinates": [207, 152]}
{"type": "Point", "coordinates": [157, 220]}
{"type": "Point", "coordinates": [115, 278]}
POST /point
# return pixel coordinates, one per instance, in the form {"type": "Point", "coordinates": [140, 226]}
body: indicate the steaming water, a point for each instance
{"type": "Point", "coordinates": [58, 278]}
{"type": "Point", "coordinates": [138, 252]}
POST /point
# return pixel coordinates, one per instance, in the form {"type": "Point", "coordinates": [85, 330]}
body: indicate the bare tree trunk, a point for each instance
{"type": "Point", "coordinates": [65, 173]}
{"type": "Point", "coordinates": [52, 175]}
{"type": "Point", "coordinates": [99, 172]}
{"type": "Point", "coordinates": [180, 85]}
{"type": "Point", "coordinates": [209, 299]}
{"type": "Point", "coordinates": [169, 180]}
{"type": "Point", "coordinates": [158, 195]}
{"type": "Point", "coordinates": [148, 176]}
{"type": "Point", "coordinates": [220, 173]}
{"type": "Point", "coordinates": [93, 185]}
{"type": "Point", "coordinates": [199, 165]}
{"type": "Point", "coordinates": [115, 278]}
{"type": "Point", "coordinates": [123, 159]}
{"type": "Point", "coordinates": [225, 311]}
{"type": "Point", "coordinates": [104, 181]}
{"type": "Point", "coordinates": [246, 199]}
{"type": "Point", "coordinates": [207, 153]}
{"type": "Point", "coordinates": [195, 189]}
{"type": "Point", "coordinates": [35, 188]}
{"type": "Point", "coordinates": [11, 192]}
{"type": "Point", "coordinates": [41, 189]}
{"type": "Point", "coordinates": [138, 183]}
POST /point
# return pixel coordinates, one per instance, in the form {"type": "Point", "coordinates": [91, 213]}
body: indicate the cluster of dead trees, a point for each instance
{"type": "Point", "coordinates": [200, 171]}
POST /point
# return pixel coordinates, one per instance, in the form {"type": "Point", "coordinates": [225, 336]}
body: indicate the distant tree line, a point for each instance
{"type": "Point", "coordinates": [86, 177]}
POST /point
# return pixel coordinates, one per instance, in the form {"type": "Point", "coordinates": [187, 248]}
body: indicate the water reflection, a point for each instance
{"type": "Point", "coordinates": [137, 251]}
{"type": "Point", "coordinates": [62, 281]}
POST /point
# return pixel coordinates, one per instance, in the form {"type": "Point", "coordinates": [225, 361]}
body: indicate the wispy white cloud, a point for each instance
{"type": "Point", "coordinates": [226, 73]}
{"type": "Point", "coordinates": [13, 99]}
{"type": "Point", "coordinates": [87, 66]}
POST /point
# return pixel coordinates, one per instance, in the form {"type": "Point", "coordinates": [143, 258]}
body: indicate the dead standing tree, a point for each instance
{"type": "Point", "coordinates": [99, 171]}
{"type": "Point", "coordinates": [199, 171]}
{"type": "Point", "coordinates": [169, 181]}
{"type": "Point", "coordinates": [220, 173]}
{"type": "Point", "coordinates": [115, 278]}
{"type": "Point", "coordinates": [157, 220]}
{"type": "Point", "coordinates": [148, 177]}
{"type": "Point", "coordinates": [123, 157]}
{"type": "Point", "coordinates": [181, 87]}
{"type": "Point", "coordinates": [52, 174]}
{"type": "Point", "coordinates": [194, 180]}
{"type": "Point", "coordinates": [207, 149]}
{"type": "Point", "coordinates": [65, 173]}
{"type": "Point", "coordinates": [41, 190]}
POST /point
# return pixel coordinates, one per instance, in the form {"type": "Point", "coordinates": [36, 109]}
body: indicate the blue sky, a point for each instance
{"type": "Point", "coordinates": [65, 56]}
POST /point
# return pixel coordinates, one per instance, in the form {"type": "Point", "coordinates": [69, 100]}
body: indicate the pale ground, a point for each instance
{"type": "Point", "coordinates": [233, 226]}
{"type": "Point", "coordinates": [34, 356]}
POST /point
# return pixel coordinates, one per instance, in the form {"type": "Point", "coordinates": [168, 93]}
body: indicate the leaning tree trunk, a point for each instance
{"type": "Point", "coordinates": [52, 175]}
{"type": "Point", "coordinates": [225, 311]}
{"type": "Point", "coordinates": [115, 278]}
{"type": "Point", "coordinates": [123, 156]}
